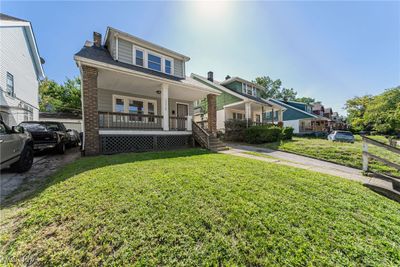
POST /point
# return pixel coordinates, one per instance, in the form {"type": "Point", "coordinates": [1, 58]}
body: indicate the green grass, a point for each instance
{"type": "Point", "coordinates": [190, 208]}
{"type": "Point", "coordinates": [343, 153]}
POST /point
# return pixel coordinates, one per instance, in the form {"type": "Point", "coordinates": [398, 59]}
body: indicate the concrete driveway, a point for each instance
{"type": "Point", "coordinates": [15, 186]}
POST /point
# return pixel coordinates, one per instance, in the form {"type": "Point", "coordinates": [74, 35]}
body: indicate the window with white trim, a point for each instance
{"type": "Point", "coordinates": [248, 89]}
{"type": "Point", "coordinates": [10, 84]}
{"type": "Point", "coordinates": [139, 57]}
{"type": "Point", "coordinates": [154, 62]}
{"type": "Point", "coordinates": [238, 116]}
{"type": "Point", "coordinates": [134, 105]}
{"type": "Point", "coordinates": [168, 66]}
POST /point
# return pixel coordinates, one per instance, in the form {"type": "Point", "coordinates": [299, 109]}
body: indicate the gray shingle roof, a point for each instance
{"type": "Point", "coordinates": [10, 18]}
{"type": "Point", "coordinates": [101, 54]}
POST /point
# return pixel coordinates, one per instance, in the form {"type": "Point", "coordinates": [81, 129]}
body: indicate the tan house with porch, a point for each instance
{"type": "Point", "coordinates": [136, 96]}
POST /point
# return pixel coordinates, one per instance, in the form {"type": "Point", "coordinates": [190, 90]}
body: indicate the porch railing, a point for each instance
{"type": "Point", "coordinates": [117, 120]}
{"type": "Point", "coordinates": [178, 123]}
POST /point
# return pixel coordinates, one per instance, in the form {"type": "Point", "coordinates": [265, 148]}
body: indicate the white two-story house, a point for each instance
{"type": "Point", "coordinates": [20, 71]}
{"type": "Point", "coordinates": [136, 95]}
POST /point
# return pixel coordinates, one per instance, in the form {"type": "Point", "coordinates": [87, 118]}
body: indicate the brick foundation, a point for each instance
{"type": "Point", "coordinates": [90, 111]}
{"type": "Point", "coordinates": [212, 113]}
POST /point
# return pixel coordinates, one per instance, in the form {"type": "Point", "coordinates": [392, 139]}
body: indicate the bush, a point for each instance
{"type": "Point", "coordinates": [262, 134]}
{"type": "Point", "coordinates": [287, 133]}
{"type": "Point", "coordinates": [235, 130]}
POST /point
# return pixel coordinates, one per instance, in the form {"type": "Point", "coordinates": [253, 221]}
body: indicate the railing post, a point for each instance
{"type": "Point", "coordinates": [364, 155]}
{"type": "Point", "coordinates": [108, 119]}
{"type": "Point", "coordinates": [189, 123]}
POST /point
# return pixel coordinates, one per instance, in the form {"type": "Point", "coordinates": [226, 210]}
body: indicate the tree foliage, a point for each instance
{"type": "Point", "coordinates": [274, 89]}
{"type": "Point", "coordinates": [380, 113]}
{"type": "Point", "coordinates": [307, 100]}
{"type": "Point", "coordinates": [60, 98]}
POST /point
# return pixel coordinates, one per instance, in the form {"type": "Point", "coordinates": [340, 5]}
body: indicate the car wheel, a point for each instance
{"type": "Point", "coordinates": [61, 148]}
{"type": "Point", "coordinates": [25, 160]}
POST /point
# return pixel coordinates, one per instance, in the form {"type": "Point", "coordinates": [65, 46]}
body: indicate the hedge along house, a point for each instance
{"type": "Point", "coordinates": [240, 100]}
{"type": "Point", "coordinates": [301, 117]}
{"type": "Point", "coordinates": [136, 96]}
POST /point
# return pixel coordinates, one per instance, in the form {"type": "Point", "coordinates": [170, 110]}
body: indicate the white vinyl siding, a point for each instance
{"type": "Point", "coordinates": [16, 59]}
{"type": "Point", "coordinates": [179, 68]}
{"type": "Point", "coordinates": [124, 51]}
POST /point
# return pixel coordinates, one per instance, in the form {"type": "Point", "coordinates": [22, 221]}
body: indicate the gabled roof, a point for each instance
{"type": "Point", "coordinates": [233, 79]}
{"type": "Point", "coordinates": [144, 43]}
{"type": "Point", "coordinates": [9, 21]}
{"type": "Point", "coordinates": [281, 103]}
{"type": "Point", "coordinates": [101, 54]}
{"type": "Point", "coordinates": [240, 95]}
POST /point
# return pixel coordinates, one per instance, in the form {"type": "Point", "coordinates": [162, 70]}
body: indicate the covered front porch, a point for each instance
{"type": "Point", "coordinates": [255, 113]}
{"type": "Point", "coordinates": [138, 112]}
{"type": "Point", "coordinates": [314, 125]}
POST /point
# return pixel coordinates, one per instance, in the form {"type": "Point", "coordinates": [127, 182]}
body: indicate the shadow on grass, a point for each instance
{"type": "Point", "coordinates": [90, 163]}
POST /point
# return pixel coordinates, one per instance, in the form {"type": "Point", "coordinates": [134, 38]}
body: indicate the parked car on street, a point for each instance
{"type": "Point", "coordinates": [16, 148]}
{"type": "Point", "coordinates": [74, 139]}
{"type": "Point", "coordinates": [47, 135]}
{"type": "Point", "coordinates": [342, 136]}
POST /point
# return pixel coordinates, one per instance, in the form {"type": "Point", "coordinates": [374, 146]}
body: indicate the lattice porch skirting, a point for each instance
{"type": "Point", "coordinates": [111, 144]}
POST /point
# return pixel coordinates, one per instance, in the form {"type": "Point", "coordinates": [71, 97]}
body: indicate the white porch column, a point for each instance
{"type": "Point", "coordinates": [247, 108]}
{"type": "Point", "coordinates": [280, 115]}
{"type": "Point", "coordinates": [189, 123]}
{"type": "Point", "coordinates": [165, 107]}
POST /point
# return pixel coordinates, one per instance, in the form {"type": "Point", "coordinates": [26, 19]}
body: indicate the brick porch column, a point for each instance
{"type": "Point", "coordinates": [212, 113]}
{"type": "Point", "coordinates": [90, 111]}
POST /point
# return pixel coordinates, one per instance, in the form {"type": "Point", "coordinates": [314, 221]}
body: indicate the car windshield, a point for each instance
{"type": "Point", "coordinates": [344, 134]}
{"type": "Point", "coordinates": [36, 126]}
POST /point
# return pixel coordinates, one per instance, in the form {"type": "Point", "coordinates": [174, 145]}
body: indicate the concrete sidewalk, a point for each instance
{"type": "Point", "coordinates": [293, 160]}
{"type": "Point", "coordinates": [382, 186]}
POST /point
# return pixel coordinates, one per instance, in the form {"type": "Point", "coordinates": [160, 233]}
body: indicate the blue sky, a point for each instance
{"type": "Point", "coordinates": [330, 51]}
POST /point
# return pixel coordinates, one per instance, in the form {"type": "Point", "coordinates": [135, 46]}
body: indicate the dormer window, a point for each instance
{"type": "Point", "coordinates": [154, 62]}
{"type": "Point", "coordinates": [139, 57]}
{"type": "Point", "coordinates": [249, 90]}
{"type": "Point", "coordinates": [167, 66]}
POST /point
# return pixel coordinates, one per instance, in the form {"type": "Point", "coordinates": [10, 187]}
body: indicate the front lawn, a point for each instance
{"type": "Point", "coordinates": [343, 153]}
{"type": "Point", "coordinates": [194, 208]}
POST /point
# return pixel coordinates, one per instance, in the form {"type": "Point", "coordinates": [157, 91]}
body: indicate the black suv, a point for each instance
{"type": "Point", "coordinates": [47, 134]}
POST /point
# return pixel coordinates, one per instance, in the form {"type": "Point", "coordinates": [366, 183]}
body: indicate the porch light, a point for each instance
{"type": "Point", "coordinates": [158, 92]}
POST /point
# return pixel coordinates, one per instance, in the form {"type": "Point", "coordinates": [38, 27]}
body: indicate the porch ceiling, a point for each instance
{"type": "Point", "coordinates": [126, 83]}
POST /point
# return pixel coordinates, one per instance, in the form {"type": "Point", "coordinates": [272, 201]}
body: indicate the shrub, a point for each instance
{"type": "Point", "coordinates": [263, 134]}
{"type": "Point", "coordinates": [235, 130]}
{"type": "Point", "coordinates": [287, 133]}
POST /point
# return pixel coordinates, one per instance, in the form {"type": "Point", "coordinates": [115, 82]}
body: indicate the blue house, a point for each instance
{"type": "Point", "coordinates": [300, 116]}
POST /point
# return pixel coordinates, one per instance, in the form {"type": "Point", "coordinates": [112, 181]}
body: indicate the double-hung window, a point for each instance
{"type": "Point", "coordinates": [139, 57]}
{"type": "Point", "coordinates": [10, 84]}
{"type": "Point", "coordinates": [168, 66]}
{"type": "Point", "coordinates": [154, 62]}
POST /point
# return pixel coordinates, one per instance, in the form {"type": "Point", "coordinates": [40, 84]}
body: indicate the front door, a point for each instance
{"type": "Point", "coordinates": [181, 113]}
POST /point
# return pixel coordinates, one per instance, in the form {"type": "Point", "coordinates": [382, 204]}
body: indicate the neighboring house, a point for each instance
{"type": "Point", "coordinates": [318, 109]}
{"type": "Point", "coordinates": [70, 120]}
{"type": "Point", "coordinates": [136, 96]}
{"type": "Point", "coordinates": [301, 117]}
{"type": "Point", "coordinates": [20, 71]}
{"type": "Point", "coordinates": [239, 100]}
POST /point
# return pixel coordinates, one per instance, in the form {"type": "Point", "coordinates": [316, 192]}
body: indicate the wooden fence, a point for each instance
{"type": "Point", "coordinates": [367, 155]}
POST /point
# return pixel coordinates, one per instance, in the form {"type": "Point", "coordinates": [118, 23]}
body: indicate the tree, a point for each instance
{"type": "Point", "coordinates": [272, 88]}
{"type": "Point", "coordinates": [379, 113]}
{"type": "Point", "coordinates": [382, 111]}
{"type": "Point", "coordinates": [288, 94]}
{"type": "Point", "coordinates": [307, 100]}
{"type": "Point", "coordinates": [356, 108]}
{"type": "Point", "coordinates": [60, 98]}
